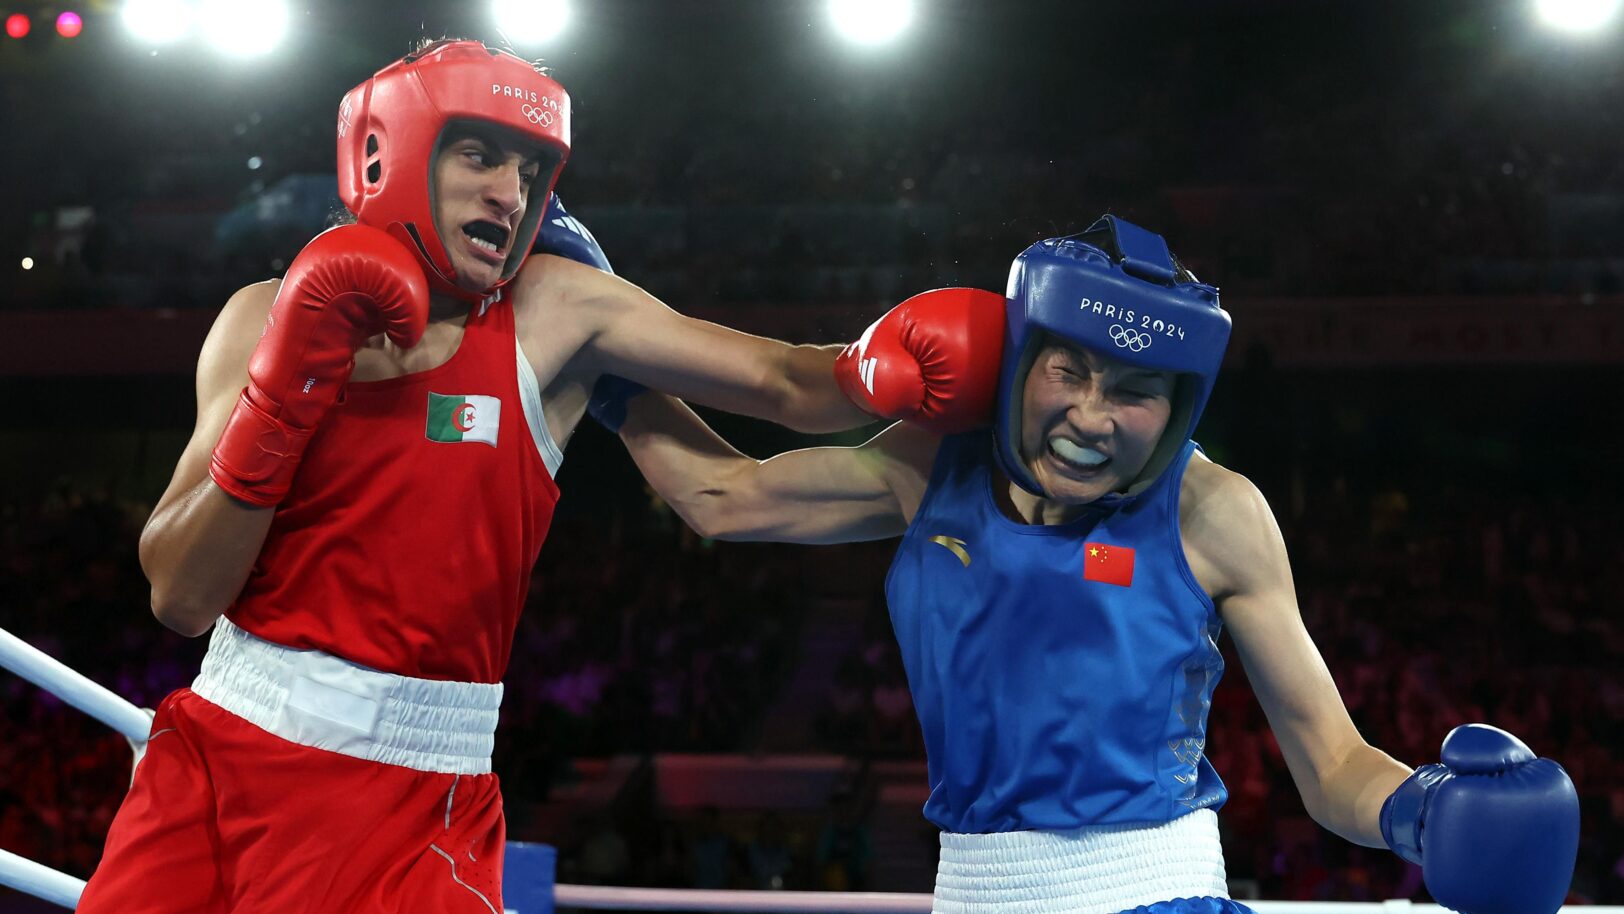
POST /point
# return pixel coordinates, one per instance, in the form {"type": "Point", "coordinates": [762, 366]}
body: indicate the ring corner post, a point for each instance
{"type": "Point", "coordinates": [528, 872]}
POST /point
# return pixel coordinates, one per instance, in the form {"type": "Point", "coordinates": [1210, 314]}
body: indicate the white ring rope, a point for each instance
{"type": "Point", "coordinates": [61, 889]}
{"type": "Point", "coordinates": [39, 880]}
{"type": "Point", "coordinates": [55, 677]}
{"type": "Point", "coordinates": [610, 898]}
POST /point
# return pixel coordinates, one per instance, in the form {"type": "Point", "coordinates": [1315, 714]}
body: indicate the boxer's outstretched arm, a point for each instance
{"type": "Point", "coordinates": [816, 495]}
{"type": "Point", "coordinates": [200, 543]}
{"type": "Point", "coordinates": [1235, 546]}
{"type": "Point", "coordinates": [1494, 828]}
{"type": "Point", "coordinates": [627, 332]}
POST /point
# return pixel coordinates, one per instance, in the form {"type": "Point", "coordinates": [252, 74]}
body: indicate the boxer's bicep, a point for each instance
{"type": "Point", "coordinates": [638, 337]}
{"type": "Point", "coordinates": [831, 494]}
{"type": "Point", "coordinates": [812, 495]}
{"type": "Point", "coordinates": [199, 545]}
{"type": "Point", "coordinates": [1237, 537]}
{"type": "Point", "coordinates": [817, 495]}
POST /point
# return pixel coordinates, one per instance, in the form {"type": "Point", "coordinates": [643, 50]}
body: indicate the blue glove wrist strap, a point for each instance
{"type": "Point", "coordinates": [609, 398]}
{"type": "Point", "coordinates": [1403, 812]}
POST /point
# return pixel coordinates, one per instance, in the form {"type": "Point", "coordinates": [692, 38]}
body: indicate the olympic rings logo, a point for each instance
{"type": "Point", "coordinates": [1129, 338]}
{"type": "Point", "coordinates": [538, 115]}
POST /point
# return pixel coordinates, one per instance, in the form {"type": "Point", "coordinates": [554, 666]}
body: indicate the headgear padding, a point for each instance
{"type": "Point", "coordinates": [1116, 290]}
{"type": "Point", "coordinates": [390, 126]}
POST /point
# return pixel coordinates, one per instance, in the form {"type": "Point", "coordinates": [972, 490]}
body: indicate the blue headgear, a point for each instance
{"type": "Point", "coordinates": [1115, 289]}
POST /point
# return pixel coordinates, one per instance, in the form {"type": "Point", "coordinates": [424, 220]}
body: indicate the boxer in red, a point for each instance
{"type": "Point", "coordinates": [369, 482]}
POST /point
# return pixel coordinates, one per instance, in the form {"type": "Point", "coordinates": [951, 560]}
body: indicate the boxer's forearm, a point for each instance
{"type": "Point", "coordinates": [685, 462]}
{"type": "Point", "coordinates": [812, 400]}
{"type": "Point", "coordinates": [1348, 798]}
{"type": "Point", "coordinates": [633, 335]}
{"type": "Point", "coordinates": [813, 495]}
{"type": "Point", "coordinates": [197, 551]}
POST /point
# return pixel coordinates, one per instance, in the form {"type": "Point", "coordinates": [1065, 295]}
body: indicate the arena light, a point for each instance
{"type": "Point", "coordinates": [871, 22]}
{"type": "Point", "coordinates": [158, 21]}
{"type": "Point", "coordinates": [1577, 16]}
{"type": "Point", "coordinates": [530, 22]}
{"type": "Point", "coordinates": [243, 28]}
{"type": "Point", "coordinates": [69, 25]}
{"type": "Point", "coordinates": [18, 26]}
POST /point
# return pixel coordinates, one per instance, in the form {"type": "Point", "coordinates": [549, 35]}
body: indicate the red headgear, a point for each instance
{"type": "Point", "coordinates": [390, 126]}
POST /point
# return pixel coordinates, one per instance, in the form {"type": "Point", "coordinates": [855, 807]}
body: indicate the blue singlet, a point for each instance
{"type": "Point", "coordinates": [1054, 694]}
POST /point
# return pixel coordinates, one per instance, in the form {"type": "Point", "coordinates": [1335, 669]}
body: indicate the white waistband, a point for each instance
{"type": "Point", "coordinates": [1100, 870]}
{"type": "Point", "coordinates": [315, 699]}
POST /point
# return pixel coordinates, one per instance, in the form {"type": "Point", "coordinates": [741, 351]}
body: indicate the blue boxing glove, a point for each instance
{"type": "Point", "coordinates": [1494, 829]}
{"type": "Point", "coordinates": [565, 236]}
{"type": "Point", "coordinates": [608, 401]}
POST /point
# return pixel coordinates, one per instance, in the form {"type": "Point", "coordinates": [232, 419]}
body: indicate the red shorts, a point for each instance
{"type": "Point", "coordinates": [224, 816]}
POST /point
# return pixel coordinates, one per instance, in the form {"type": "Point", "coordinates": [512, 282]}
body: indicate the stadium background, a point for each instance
{"type": "Point", "coordinates": [1415, 213]}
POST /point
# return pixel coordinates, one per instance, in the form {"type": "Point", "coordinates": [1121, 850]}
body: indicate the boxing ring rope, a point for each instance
{"type": "Point", "coordinates": [60, 680]}
{"type": "Point", "coordinates": [610, 898]}
{"type": "Point", "coordinates": [39, 880]}
{"type": "Point", "coordinates": [64, 890]}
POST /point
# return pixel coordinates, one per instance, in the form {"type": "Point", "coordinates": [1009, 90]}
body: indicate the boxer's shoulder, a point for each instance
{"type": "Point", "coordinates": [558, 303]}
{"type": "Point", "coordinates": [1208, 487]}
{"type": "Point", "coordinates": [251, 301]}
{"type": "Point", "coordinates": [1228, 530]}
{"type": "Point", "coordinates": [240, 323]}
{"type": "Point", "coordinates": [547, 282]}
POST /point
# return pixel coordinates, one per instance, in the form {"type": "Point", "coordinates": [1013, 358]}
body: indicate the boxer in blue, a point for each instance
{"type": "Point", "coordinates": [1061, 584]}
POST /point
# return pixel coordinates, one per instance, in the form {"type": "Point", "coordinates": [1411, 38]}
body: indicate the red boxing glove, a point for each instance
{"type": "Point", "coordinates": [932, 360]}
{"type": "Point", "coordinates": [349, 283]}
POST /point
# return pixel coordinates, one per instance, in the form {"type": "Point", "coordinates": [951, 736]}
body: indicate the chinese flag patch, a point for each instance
{"type": "Point", "coordinates": [1108, 564]}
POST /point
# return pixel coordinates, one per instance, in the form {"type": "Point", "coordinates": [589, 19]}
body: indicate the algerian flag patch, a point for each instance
{"type": "Point", "coordinates": [464, 418]}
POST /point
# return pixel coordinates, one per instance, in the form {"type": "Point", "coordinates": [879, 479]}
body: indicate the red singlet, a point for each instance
{"type": "Point", "coordinates": [400, 547]}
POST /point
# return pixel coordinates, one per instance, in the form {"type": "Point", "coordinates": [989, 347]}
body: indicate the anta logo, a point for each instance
{"type": "Point", "coordinates": [954, 545]}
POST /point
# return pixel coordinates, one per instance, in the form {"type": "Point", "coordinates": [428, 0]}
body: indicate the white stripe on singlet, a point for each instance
{"type": "Point", "coordinates": [534, 416]}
